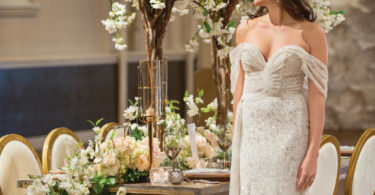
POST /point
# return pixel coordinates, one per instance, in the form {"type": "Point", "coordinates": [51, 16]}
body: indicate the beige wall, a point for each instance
{"type": "Point", "coordinates": [351, 62]}
{"type": "Point", "coordinates": [60, 27]}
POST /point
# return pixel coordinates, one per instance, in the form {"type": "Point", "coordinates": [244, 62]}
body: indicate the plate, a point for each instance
{"type": "Point", "coordinates": [208, 174]}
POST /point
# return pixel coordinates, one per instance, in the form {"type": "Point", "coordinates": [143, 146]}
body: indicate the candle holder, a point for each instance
{"type": "Point", "coordinates": [152, 92]}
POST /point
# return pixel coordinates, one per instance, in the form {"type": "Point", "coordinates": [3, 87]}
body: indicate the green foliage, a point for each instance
{"type": "Point", "coordinates": [132, 103]}
{"type": "Point", "coordinates": [338, 12]}
{"type": "Point", "coordinates": [205, 12]}
{"type": "Point", "coordinates": [137, 134]}
{"type": "Point", "coordinates": [34, 176]}
{"type": "Point", "coordinates": [186, 93]}
{"type": "Point", "coordinates": [172, 106]}
{"type": "Point", "coordinates": [99, 183]}
{"type": "Point", "coordinates": [200, 92]}
{"type": "Point", "coordinates": [231, 24]}
{"type": "Point", "coordinates": [96, 123]}
{"type": "Point", "coordinates": [207, 27]}
{"type": "Point", "coordinates": [133, 176]}
{"type": "Point", "coordinates": [205, 110]}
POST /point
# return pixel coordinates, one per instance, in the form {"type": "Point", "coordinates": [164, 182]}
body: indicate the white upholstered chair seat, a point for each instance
{"type": "Point", "coordinates": [325, 182]}
{"type": "Point", "coordinates": [60, 143]}
{"type": "Point", "coordinates": [17, 160]}
{"type": "Point", "coordinates": [360, 178]}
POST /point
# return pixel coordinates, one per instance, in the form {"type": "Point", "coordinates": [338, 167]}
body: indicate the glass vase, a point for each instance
{"type": "Point", "coordinates": [152, 93]}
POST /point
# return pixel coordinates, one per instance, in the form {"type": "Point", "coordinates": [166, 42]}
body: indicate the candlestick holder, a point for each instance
{"type": "Point", "coordinates": [152, 92]}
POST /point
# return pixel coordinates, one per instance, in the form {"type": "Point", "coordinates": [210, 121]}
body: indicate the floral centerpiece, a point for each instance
{"type": "Point", "coordinates": [208, 137]}
{"type": "Point", "coordinates": [103, 163]}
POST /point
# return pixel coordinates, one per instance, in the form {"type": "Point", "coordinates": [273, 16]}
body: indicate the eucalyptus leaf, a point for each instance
{"type": "Point", "coordinates": [200, 92]}
{"type": "Point", "coordinates": [205, 110]}
{"type": "Point", "coordinates": [92, 123]}
{"type": "Point", "coordinates": [207, 27]}
{"type": "Point", "coordinates": [98, 122]}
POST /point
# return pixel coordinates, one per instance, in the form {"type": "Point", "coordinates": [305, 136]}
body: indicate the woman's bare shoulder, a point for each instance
{"type": "Point", "coordinates": [313, 32]}
{"type": "Point", "coordinates": [243, 29]}
{"type": "Point", "coordinates": [315, 37]}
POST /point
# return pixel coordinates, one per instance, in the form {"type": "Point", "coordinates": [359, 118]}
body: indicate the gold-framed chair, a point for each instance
{"type": "Point", "coordinates": [59, 143]}
{"type": "Point", "coordinates": [107, 129]}
{"type": "Point", "coordinates": [328, 170]}
{"type": "Point", "coordinates": [18, 159]}
{"type": "Point", "coordinates": [360, 178]}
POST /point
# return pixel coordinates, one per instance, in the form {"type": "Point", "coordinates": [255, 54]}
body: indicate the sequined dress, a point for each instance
{"type": "Point", "coordinates": [272, 124]}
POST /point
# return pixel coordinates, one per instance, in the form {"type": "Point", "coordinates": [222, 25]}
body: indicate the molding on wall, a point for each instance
{"type": "Point", "coordinates": [58, 61]}
{"type": "Point", "coordinates": [19, 62]}
{"type": "Point", "coordinates": [28, 10]}
{"type": "Point", "coordinates": [136, 56]}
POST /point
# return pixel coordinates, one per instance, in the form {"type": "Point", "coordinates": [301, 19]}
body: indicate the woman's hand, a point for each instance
{"type": "Point", "coordinates": [306, 173]}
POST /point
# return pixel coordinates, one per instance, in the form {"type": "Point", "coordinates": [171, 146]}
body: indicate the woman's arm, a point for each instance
{"type": "Point", "coordinates": [316, 100]}
{"type": "Point", "coordinates": [240, 37]}
{"type": "Point", "coordinates": [316, 103]}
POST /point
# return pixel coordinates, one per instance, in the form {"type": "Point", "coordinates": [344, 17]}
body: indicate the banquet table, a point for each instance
{"type": "Point", "coordinates": [189, 188]}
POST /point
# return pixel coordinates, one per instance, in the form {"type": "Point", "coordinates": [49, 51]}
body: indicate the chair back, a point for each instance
{"type": "Point", "coordinates": [18, 159]}
{"type": "Point", "coordinates": [108, 128]}
{"type": "Point", "coordinates": [360, 178]}
{"type": "Point", "coordinates": [328, 168]}
{"type": "Point", "coordinates": [59, 143]}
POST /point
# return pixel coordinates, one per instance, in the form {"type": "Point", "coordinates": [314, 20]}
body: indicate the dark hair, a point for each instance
{"type": "Point", "coordinates": [298, 9]}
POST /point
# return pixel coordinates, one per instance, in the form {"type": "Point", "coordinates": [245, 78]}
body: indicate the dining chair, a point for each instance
{"type": "Point", "coordinates": [360, 178]}
{"type": "Point", "coordinates": [59, 144]}
{"type": "Point", "coordinates": [328, 168]}
{"type": "Point", "coordinates": [18, 159]}
{"type": "Point", "coordinates": [107, 129]}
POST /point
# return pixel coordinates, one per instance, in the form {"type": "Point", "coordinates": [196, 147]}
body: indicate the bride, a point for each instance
{"type": "Point", "coordinates": [277, 130]}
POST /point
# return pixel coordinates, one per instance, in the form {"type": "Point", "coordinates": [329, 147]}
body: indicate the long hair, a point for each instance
{"type": "Point", "coordinates": [298, 9]}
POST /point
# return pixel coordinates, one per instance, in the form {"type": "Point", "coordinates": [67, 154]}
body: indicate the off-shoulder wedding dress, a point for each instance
{"type": "Point", "coordinates": [272, 124]}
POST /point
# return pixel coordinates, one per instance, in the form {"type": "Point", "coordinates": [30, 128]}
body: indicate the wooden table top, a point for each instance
{"type": "Point", "coordinates": [184, 188]}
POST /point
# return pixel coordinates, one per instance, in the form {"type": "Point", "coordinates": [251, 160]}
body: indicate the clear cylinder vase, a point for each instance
{"type": "Point", "coordinates": [152, 93]}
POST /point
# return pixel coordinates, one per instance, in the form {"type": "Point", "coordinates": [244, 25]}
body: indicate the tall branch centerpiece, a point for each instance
{"type": "Point", "coordinates": [152, 72]}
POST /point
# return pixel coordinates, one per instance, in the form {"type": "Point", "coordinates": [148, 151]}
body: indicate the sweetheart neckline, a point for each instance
{"type": "Point", "coordinates": [266, 61]}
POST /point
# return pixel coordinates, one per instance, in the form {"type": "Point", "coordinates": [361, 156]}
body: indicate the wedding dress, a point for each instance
{"type": "Point", "coordinates": [272, 124]}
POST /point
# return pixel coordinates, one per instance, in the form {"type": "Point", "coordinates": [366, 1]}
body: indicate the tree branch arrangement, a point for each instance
{"type": "Point", "coordinates": [217, 27]}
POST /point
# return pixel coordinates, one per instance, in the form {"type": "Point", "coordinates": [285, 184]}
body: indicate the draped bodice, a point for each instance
{"type": "Point", "coordinates": [285, 72]}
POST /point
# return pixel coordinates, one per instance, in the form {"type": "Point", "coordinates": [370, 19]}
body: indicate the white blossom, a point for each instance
{"type": "Point", "coordinates": [212, 105]}
{"type": "Point", "coordinates": [118, 9]}
{"type": "Point", "coordinates": [96, 130]}
{"type": "Point", "coordinates": [121, 191]}
{"type": "Point", "coordinates": [224, 51]}
{"type": "Point", "coordinates": [244, 18]}
{"type": "Point", "coordinates": [324, 15]}
{"type": "Point", "coordinates": [157, 4]}
{"type": "Point", "coordinates": [131, 113]}
{"type": "Point", "coordinates": [110, 25]}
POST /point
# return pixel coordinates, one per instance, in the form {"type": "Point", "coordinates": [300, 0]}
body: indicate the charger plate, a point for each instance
{"type": "Point", "coordinates": [208, 174]}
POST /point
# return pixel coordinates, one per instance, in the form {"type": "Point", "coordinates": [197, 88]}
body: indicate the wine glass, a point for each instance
{"type": "Point", "coordinates": [172, 146]}
{"type": "Point", "coordinates": [224, 143]}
